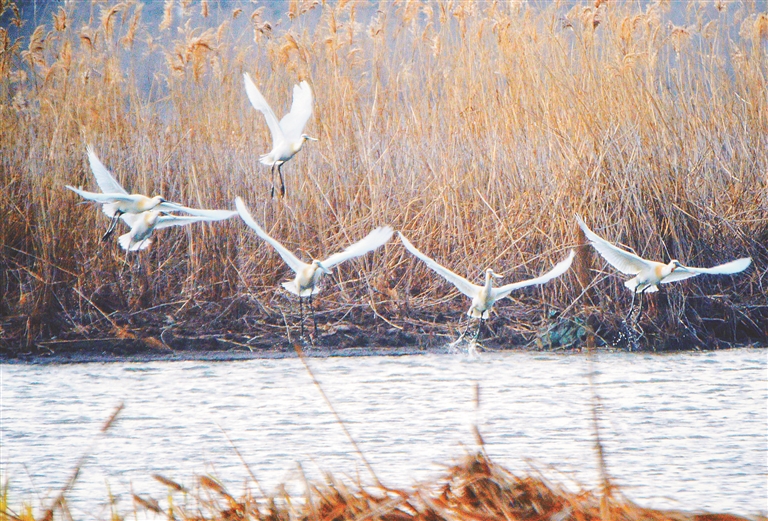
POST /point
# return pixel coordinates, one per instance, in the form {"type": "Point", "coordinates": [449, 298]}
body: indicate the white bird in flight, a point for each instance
{"type": "Point", "coordinates": [649, 274]}
{"type": "Point", "coordinates": [287, 134]}
{"type": "Point", "coordinates": [144, 223]}
{"type": "Point", "coordinates": [117, 202]}
{"type": "Point", "coordinates": [484, 297]}
{"type": "Point", "coordinates": [305, 283]}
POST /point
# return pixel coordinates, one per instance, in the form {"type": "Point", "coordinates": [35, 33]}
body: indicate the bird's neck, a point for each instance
{"type": "Point", "coordinates": [664, 270]}
{"type": "Point", "coordinates": [488, 282]}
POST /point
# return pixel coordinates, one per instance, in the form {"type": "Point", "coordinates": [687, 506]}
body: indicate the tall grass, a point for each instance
{"type": "Point", "coordinates": [477, 128]}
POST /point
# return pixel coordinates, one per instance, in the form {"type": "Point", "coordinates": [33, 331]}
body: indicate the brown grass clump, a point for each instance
{"type": "Point", "coordinates": [476, 488]}
{"type": "Point", "coordinates": [478, 129]}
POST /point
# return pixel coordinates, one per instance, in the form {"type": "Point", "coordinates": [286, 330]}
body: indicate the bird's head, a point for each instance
{"type": "Point", "coordinates": [305, 137]}
{"type": "Point", "coordinates": [490, 273]}
{"type": "Point", "coordinates": [674, 264]}
{"type": "Point", "coordinates": [158, 199]}
{"type": "Point", "coordinates": [319, 265]}
{"type": "Point", "coordinates": [151, 217]}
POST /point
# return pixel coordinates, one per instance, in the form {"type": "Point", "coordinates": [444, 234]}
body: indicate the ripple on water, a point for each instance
{"type": "Point", "coordinates": [667, 422]}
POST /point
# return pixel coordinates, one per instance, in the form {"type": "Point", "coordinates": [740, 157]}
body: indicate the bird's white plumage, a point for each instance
{"type": "Point", "coordinates": [260, 103]}
{"type": "Point", "coordinates": [143, 224]}
{"type": "Point", "coordinates": [139, 212]}
{"type": "Point", "coordinates": [484, 297]}
{"type": "Point", "coordinates": [114, 197]}
{"type": "Point", "coordinates": [370, 242]}
{"type": "Point", "coordinates": [135, 203]}
{"type": "Point", "coordinates": [308, 274]}
{"type": "Point", "coordinates": [287, 137]}
{"type": "Point", "coordinates": [559, 269]}
{"type": "Point", "coordinates": [290, 259]}
{"type": "Point", "coordinates": [649, 274]}
{"type": "Point", "coordinates": [462, 284]}
{"type": "Point", "coordinates": [294, 122]}
{"type": "Point", "coordinates": [104, 178]}
{"type": "Point", "coordinates": [622, 260]}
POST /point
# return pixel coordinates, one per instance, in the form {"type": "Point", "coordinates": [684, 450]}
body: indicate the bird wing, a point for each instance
{"type": "Point", "coordinates": [560, 268]}
{"type": "Point", "coordinates": [290, 259]}
{"type": "Point", "coordinates": [729, 268]}
{"type": "Point", "coordinates": [130, 219]}
{"type": "Point", "coordinates": [101, 197]}
{"type": "Point", "coordinates": [166, 221]}
{"type": "Point", "coordinates": [107, 183]}
{"type": "Point", "coordinates": [260, 104]}
{"type": "Point", "coordinates": [368, 243]}
{"type": "Point", "coordinates": [293, 123]}
{"type": "Point", "coordinates": [623, 261]}
{"type": "Point", "coordinates": [460, 282]}
{"type": "Point", "coordinates": [207, 215]}
{"type": "Point", "coordinates": [677, 275]}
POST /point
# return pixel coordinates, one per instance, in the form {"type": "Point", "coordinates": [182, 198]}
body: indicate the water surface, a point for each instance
{"type": "Point", "coordinates": [687, 431]}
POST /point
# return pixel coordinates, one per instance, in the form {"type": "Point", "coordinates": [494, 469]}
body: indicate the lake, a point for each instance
{"type": "Point", "coordinates": [685, 431]}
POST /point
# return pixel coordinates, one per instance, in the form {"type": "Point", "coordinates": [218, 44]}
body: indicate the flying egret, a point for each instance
{"type": "Point", "coordinates": [305, 284]}
{"type": "Point", "coordinates": [287, 136]}
{"type": "Point", "coordinates": [649, 274]}
{"type": "Point", "coordinates": [144, 223]}
{"type": "Point", "coordinates": [117, 202]}
{"type": "Point", "coordinates": [484, 297]}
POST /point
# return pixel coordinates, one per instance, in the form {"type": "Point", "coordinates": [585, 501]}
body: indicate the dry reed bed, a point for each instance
{"type": "Point", "coordinates": [475, 488]}
{"type": "Point", "coordinates": [479, 129]}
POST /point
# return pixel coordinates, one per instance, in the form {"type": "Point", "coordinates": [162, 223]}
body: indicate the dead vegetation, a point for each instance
{"type": "Point", "coordinates": [474, 488]}
{"type": "Point", "coordinates": [479, 129]}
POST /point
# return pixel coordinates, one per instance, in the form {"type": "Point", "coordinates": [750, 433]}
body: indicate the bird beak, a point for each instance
{"type": "Point", "coordinates": [677, 266]}
{"type": "Point", "coordinates": [310, 138]}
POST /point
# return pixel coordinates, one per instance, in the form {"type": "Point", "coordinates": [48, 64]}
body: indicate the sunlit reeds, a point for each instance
{"type": "Point", "coordinates": [479, 129]}
{"type": "Point", "coordinates": [474, 488]}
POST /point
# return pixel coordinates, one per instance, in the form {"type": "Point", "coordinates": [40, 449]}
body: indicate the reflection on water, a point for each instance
{"type": "Point", "coordinates": [682, 431]}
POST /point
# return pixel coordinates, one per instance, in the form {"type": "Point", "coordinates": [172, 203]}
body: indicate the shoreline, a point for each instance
{"type": "Point", "coordinates": [228, 348]}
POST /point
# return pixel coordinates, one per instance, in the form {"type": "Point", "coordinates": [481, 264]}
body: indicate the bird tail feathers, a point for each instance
{"type": "Point", "coordinates": [267, 159]}
{"type": "Point", "coordinates": [291, 287]}
{"type": "Point", "coordinates": [633, 284]}
{"type": "Point", "coordinates": [126, 243]}
{"type": "Point", "coordinates": [109, 208]}
{"type": "Point", "coordinates": [475, 313]}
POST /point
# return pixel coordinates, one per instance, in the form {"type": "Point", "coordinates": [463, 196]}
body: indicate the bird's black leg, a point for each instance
{"type": "Point", "coordinates": [301, 316]}
{"type": "Point", "coordinates": [479, 327]}
{"type": "Point", "coordinates": [112, 225]}
{"type": "Point", "coordinates": [466, 329]}
{"type": "Point", "coordinates": [282, 182]}
{"type": "Point", "coordinates": [634, 330]}
{"type": "Point", "coordinates": [314, 319]}
{"type": "Point", "coordinates": [631, 308]}
{"type": "Point", "coordinates": [272, 192]}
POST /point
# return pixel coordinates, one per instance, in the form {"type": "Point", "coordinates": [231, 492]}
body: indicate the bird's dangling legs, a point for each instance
{"type": "Point", "coordinates": [631, 307]}
{"type": "Point", "coordinates": [272, 192]}
{"type": "Point", "coordinates": [282, 182]}
{"type": "Point", "coordinates": [466, 329]}
{"type": "Point", "coordinates": [314, 319]}
{"type": "Point", "coordinates": [634, 332]}
{"type": "Point", "coordinates": [479, 327]}
{"type": "Point", "coordinates": [301, 316]}
{"type": "Point", "coordinates": [112, 225]}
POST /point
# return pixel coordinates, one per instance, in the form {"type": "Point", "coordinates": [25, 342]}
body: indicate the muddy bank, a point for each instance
{"type": "Point", "coordinates": [142, 341]}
